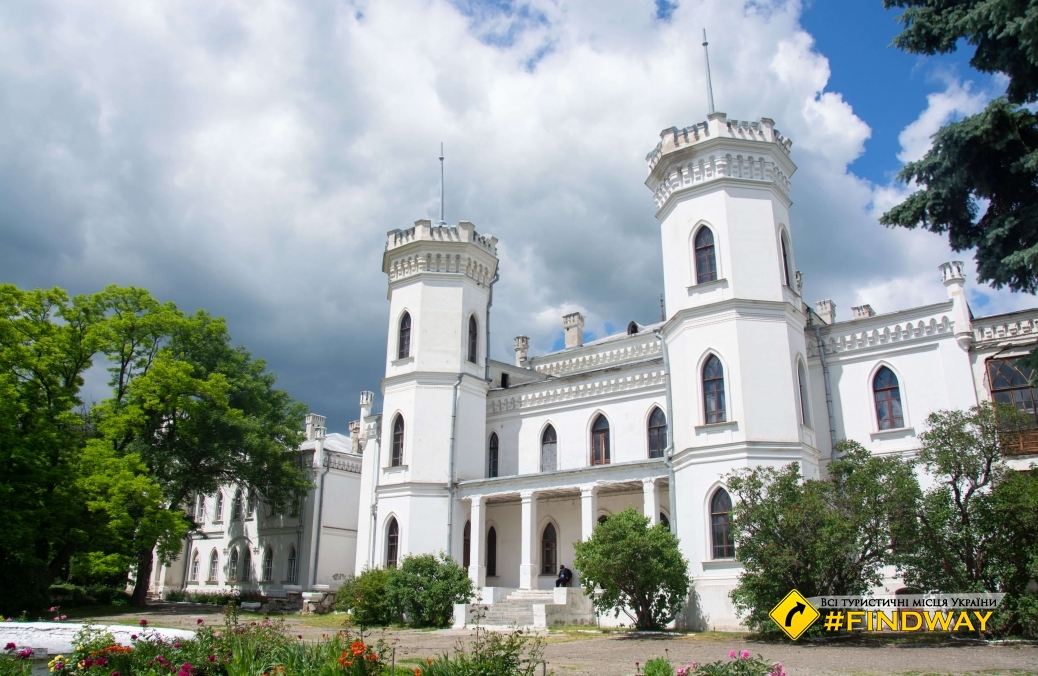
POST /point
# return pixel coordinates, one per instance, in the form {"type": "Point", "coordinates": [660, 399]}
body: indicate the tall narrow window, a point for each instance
{"type": "Point", "coordinates": [398, 442]}
{"type": "Point", "coordinates": [600, 441]}
{"type": "Point", "coordinates": [706, 260]}
{"type": "Point", "coordinates": [657, 433]}
{"type": "Point", "coordinates": [392, 543]}
{"type": "Point", "coordinates": [214, 566]}
{"type": "Point", "coordinates": [291, 565]}
{"type": "Point", "coordinates": [236, 506]}
{"type": "Point", "coordinates": [664, 520]}
{"type": "Point", "coordinates": [492, 552]}
{"type": "Point", "coordinates": [466, 545]}
{"type": "Point", "coordinates": [218, 512]}
{"type": "Point", "coordinates": [246, 566]}
{"type": "Point", "coordinates": [250, 505]}
{"type": "Point", "coordinates": [232, 567]}
{"type": "Point", "coordinates": [200, 508]}
{"type": "Point", "coordinates": [403, 338]}
{"type": "Point", "coordinates": [549, 549]}
{"type": "Point", "coordinates": [787, 273]}
{"type": "Point", "coordinates": [888, 400]}
{"type": "Point", "coordinates": [713, 391]}
{"type": "Point", "coordinates": [193, 575]}
{"type": "Point", "coordinates": [268, 564]}
{"type": "Point", "coordinates": [805, 408]}
{"type": "Point", "coordinates": [473, 339]}
{"type": "Point", "coordinates": [492, 456]}
{"type": "Point", "coordinates": [721, 525]}
{"type": "Point", "coordinates": [549, 450]}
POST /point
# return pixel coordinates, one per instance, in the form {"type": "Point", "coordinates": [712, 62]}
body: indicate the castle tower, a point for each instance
{"type": "Point", "coordinates": [434, 404]}
{"type": "Point", "coordinates": [735, 320]}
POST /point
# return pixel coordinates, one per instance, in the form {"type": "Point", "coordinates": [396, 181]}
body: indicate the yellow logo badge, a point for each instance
{"type": "Point", "coordinates": [794, 614]}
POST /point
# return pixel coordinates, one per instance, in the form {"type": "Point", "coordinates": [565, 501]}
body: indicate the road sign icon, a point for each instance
{"type": "Point", "coordinates": [794, 614]}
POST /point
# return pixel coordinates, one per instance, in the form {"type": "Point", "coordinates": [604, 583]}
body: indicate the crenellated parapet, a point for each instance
{"type": "Point", "coordinates": [719, 149]}
{"type": "Point", "coordinates": [597, 360]}
{"type": "Point", "coordinates": [844, 337]}
{"type": "Point", "coordinates": [447, 249]}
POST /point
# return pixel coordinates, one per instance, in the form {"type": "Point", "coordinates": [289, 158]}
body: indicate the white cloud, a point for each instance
{"type": "Point", "coordinates": [956, 101]}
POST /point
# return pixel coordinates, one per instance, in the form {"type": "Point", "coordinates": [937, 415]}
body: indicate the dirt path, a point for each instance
{"type": "Point", "coordinates": [576, 653]}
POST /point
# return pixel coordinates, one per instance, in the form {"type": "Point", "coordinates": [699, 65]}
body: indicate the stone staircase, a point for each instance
{"type": "Point", "coordinates": [517, 608]}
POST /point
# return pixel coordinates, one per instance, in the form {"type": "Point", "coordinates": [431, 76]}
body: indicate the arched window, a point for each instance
{"type": "Point", "coordinates": [200, 508]}
{"type": "Point", "coordinates": [549, 550]}
{"type": "Point", "coordinates": [246, 565]}
{"type": "Point", "coordinates": [632, 328]}
{"type": "Point", "coordinates": [492, 552]}
{"type": "Point", "coordinates": [291, 567]}
{"type": "Point", "coordinates": [888, 400]}
{"type": "Point", "coordinates": [805, 408]}
{"type": "Point", "coordinates": [466, 545]}
{"type": "Point", "coordinates": [600, 441]}
{"type": "Point", "coordinates": [232, 567]}
{"type": "Point", "coordinates": [398, 442]}
{"type": "Point", "coordinates": [473, 339]}
{"type": "Point", "coordinates": [193, 574]}
{"type": "Point", "coordinates": [214, 566]}
{"type": "Point", "coordinates": [706, 259]}
{"type": "Point", "coordinates": [492, 456]}
{"type": "Point", "coordinates": [218, 513]}
{"type": "Point", "coordinates": [787, 272]}
{"type": "Point", "coordinates": [236, 506]}
{"type": "Point", "coordinates": [657, 433]}
{"type": "Point", "coordinates": [392, 543]}
{"type": "Point", "coordinates": [268, 564]}
{"type": "Point", "coordinates": [250, 505]}
{"type": "Point", "coordinates": [1011, 384]}
{"type": "Point", "coordinates": [664, 520]}
{"type": "Point", "coordinates": [549, 450]}
{"type": "Point", "coordinates": [602, 518]}
{"type": "Point", "coordinates": [721, 525]}
{"type": "Point", "coordinates": [713, 391]}
{"type": "Point", "coordinates": [403, 341]}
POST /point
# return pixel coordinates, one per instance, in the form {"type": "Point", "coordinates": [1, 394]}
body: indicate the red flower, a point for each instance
{"type": "Point", "coordinates": [10, 646]}
{"type": "Point", "coordinates": [144, 623]}
{"type": "Point", "coordinates": [357, 647]}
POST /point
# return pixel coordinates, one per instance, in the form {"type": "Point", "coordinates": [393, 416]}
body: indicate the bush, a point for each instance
{"type": "Point", "coordinates": [424, 589]}
{"type": "Point", "coordinates": [491, 654]}
{"type": "Point", "coordinates": [741, 664]}
{"type": "Point", "coordinates": [364, 598]}
{"type": "Point", "coordinates": [71, 595]}
{"type": "Point", "coordinates": [659, 666]}
{"type": "Point", "coordinates": [213, 598]}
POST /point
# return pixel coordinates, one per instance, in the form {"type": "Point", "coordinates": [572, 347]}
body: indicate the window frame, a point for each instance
{"type": "Point", "coordinates": [472, 355]}
{"type": "Point", "coordinates": [599, 434]}
{"type": "Point", "coordinates": [491, 560]}
{"type": "Point", "coordinates": [724, 519]}
{"type": "Point", "coordinates": [709, 255]}
{"type": "Point", "coordinates": [787, 259]}
{"type": "Point", "coordinates": [396, 456]}
{"type": "Point", "coordinates": [232, 565]}
{"type": "Point", "coordinates": [268, 564]}
{"type": "Point", "coordinates": [493, 456]}
{"type": "Point", "coordinates": [292, 565]}
{"type": "Point", "coordinates": [555, 441]}
{"type": "Point", "coordinates": [403, 336]}
{"type": "Point", "coordinates": [888, 400]}
{"type": "Point", "coordinates": [192, 574]}
{"type": "Point", "coordinates": [549, 568]}
{"type": "Point", "coordinates": [720, 414]}
{"type": "Point", "coordinates": [214, 566]}
{"type": "Point", "coordinates": [246, 565]}
{"type": "Point", "coordinates": [992, 390]}
{"type": "Point", "coordinates": [660, 432]}
{"type": "Point", "coordinates": [466, 545]}
{"type": "Point", "coordinates": [236, 506]}
{"type": "Point", "coordinates": [803, 389]}
{"type": "Point", "coordinates": [392, 557]}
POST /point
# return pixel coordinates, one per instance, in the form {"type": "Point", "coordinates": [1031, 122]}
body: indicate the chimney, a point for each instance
{"type": "Point", "coordinates": [955, 283]}
{"type": "Point", "coordinates": [863, 311]}
{"type": "Point", "coordinates": [355, 435]}
{"type": "Point", "coordinates": [574, 325]}
{"type": "Point", "coordinates": [365, 404]}
{"type": "Point", "coordinates": [826, 309]}
{"type": "Point", "coordinates": [522, 348]}
{"type": "Point", "coordinates": [313, 422]}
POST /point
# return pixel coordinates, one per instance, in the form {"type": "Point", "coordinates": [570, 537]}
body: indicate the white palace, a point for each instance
{"type": "Point", "coordinates": [505, 466]}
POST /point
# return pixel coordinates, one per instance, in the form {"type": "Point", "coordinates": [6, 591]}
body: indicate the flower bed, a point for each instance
{"type": "Point", "coordinates": [740, 663]}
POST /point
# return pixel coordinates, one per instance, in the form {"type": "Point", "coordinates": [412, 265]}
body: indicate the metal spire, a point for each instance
{"type": "Point", "coordinates": [442, 222]}
{"type": "Point", "coordinates": [709, 83]}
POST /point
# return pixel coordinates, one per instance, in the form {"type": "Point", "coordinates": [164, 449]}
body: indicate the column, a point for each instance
{"type": "Point", "coordinates": [477, 569]}
{"type": "Point", "coordinates": [651, 496]}
{"type": "Point", "coordinates": [588, 510]}
{"type": "Point", "coordinates": [528, 562]}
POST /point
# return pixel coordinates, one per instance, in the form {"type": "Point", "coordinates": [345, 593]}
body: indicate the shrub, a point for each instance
{"type": "Point", "coordinates": [659, 666]}
{"type": "Point", "coordinates": [424, 589]}
{"type": "Point", "coordinates": [71, 595]}
{"type": "Point", "coordinates": [214, 598]}
{"type": "Point", "coordinates": [364, 597]}
{"type": "Point", "coordinates": [491, 653]}
{"type": "Point", "coordinates": [739, 664]}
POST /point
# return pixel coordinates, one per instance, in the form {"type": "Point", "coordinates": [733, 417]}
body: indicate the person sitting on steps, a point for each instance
{"type": "Point", "coordinates": [565, 575]}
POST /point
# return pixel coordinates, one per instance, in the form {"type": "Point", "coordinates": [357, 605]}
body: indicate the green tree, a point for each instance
{"type": "Point", "coordinates": [638, 567]}
{"type": "Point", "coordinates": [822, 537]}
{"type": "Point", "coordinates": [424, 589]}
{"type": "Point", "coordinates": [986, 159]}
{"type": "Point", "coordinates": [364, 597]}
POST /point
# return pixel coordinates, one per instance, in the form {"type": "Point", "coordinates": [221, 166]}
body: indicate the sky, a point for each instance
{"type": "Point", "coordinates": [248, 157]}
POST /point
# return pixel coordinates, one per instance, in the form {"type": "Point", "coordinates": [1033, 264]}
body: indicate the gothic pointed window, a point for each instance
{"type": "Point", "coordinates": [632, 328]}
{"type": "Point", "coordinates": [397, 458]}
{"type": "Point", "coordinates": [802, 385]}
{"type": "Point", "coordinates": [549, 450]}
{"type": "Point", "coordinates": [657, 433]}
{"type": "Point", "coordinates": [549, 550]}
{"type": "Point", "coordinates": [466, 545]}
{"type": "Point", "coordinates": [268, 564]}
{"type": "Point", "coordinates": [246, 566]}
{"type": "Point", "coordinates": [706, 259]}
{"type": "Point", "coordinates": [214, 566]}
{"type": "Point", "coordinates": [492, 456]}
{"type": "Point", "coordinates": [787, 270]}
{"type": "Point", "coordinates": [218, 513]}
{"type": "Point", "coordinates": [473, 339]}
{"type": "Point", "coordinates": [193, 575]}
{"type": "Point", "coordinates": [392, 543]}
{"type": "Point", "coordinates": [664, 520]}
{"type": "Point", "coordinates": [236, 506]}
{"type": "Point", "coordinates": [713, 391]}
{"type": "Point", "coordinates": [403, 343]}
{"type": "Point", "coordinates": [600, 441]}
{"type": "Point", "coordinates": [885, 387]}
{"type": "Point", "coordinates": [232, 567]}
{"type": "Point", "coordinates": [492, 552]}
{"type": "Point", "coordinates": [721, 525]}
{"type": "Point", "coordinates": [291, 565]}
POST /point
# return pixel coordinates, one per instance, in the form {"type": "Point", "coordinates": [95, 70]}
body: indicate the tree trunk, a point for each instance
{"type": "Point", "coordinates": [139, 598]}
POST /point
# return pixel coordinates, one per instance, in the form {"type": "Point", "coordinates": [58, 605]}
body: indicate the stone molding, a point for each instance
{"type": "Point", "coordinates": [898, 333]}
{"type": "Point", "coordinates": [1003, 329]}
{"type": "Point", "coordinates": [341, 461]}
{"type": "Point", "coordinates": [588, 362]}
{"type": "Point", "coordinates": [554, 395]}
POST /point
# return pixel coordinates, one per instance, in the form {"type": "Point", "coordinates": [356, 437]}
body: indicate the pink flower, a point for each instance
{"type": "Point", "coordinates": [133, 637]}
{"type": "Point", "coordinates": [64, 617]}
{"type": "Point", "coordinates": [115, 673]}
{"type": "Point", "coordinates": [745, 654]}
{"type": "Point", "coordinates": [144, 623]}
{"type": "Point", "coordinates": [57, 619]}
{"type": "Point", "coordinates": [731, 653]}
{"type": "Point", "coordinates": [53, 609]}
{"type": "Point", "coordinates": [211, 658]}
{"type": "Point", "coordinates": [176, 644]}
{"type": "Point", "coordinates": [25, 653]}
{"type": "Point", "coordinates": [217, 635]}
{"type": "Point", "coordinates": [200, 620]}
{"type": "Point", "coordinates": [10, 646]}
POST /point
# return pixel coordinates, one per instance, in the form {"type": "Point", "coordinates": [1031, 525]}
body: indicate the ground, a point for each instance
{"type": "Point", "coordinates": [575, 652]}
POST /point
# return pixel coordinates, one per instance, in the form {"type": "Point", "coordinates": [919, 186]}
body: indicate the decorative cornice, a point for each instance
{"type": "Point", "coordinates": [899, 333]}
{"type": "Point", "coordinates": [447, 249]}
{"type": "Point", "coordinates": [1002, 328]}
{"type": "Point", "coordinates": [598, 360]}
{"type": "Point", "coordinates": [345, 462]}
{"type": "Point", "coordinates": [554, 395]}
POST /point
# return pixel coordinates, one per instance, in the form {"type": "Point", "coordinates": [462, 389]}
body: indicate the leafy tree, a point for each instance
{"type": "Point", "coordinates": [638, 567]}
{"type": "Point", "coordinates": [986, 159]}
{"type": "Point", "coordinates": [364, 597]}
{"type": "Point", "coordinates": [823, 537]}
{"type": "Point", "coordinates": [424, 589]}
